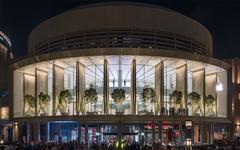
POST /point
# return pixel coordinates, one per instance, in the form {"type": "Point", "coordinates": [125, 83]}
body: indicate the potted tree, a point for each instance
{"type": "Point", "coordinates": [194, 99]}
{"type": "Point", "coordinates": [91, 96]}
{"type": "Point", "coordinates": [209, 101]}
{"type": "Point", "coordinates": [149, 97]}
{"type": "Point", "coordinates": [30, 102]}
{"type": "Point", "coordinates": [118, 95]}
{"type": "Point", "coordinates": [176, 98]}
{"type": "Point", "coordinates": [64, 98]}
{"type": "Point", "coordinates": [44, 100]}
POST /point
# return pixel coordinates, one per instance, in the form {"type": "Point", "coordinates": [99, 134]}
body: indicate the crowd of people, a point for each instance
{"type": "Point", "coordinates": [74, 145]}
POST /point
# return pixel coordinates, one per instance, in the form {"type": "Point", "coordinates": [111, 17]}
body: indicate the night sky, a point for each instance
{"type": "Point", "coordinates": [221, 17]}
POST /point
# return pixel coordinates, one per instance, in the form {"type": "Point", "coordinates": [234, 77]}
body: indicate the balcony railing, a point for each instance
{"type": "Point", "coordinates": [123, 38]}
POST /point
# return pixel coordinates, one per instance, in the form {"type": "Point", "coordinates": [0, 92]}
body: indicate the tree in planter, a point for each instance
{"type": "Point", "coordinates": [209, 100]}
{"type": "Point", "coordinates": [44, 100]}
{"type": "Point", "coordinates": [91, 95]}
{"type": "Point", "coordinates": [64, 98]}
{"type": "Point", "coordinates": [194, 98]}
{"type": "Point", "coordinates": [30, 102]}
{"type": "Point", "coordinates": [148, 96]}
{"type": "Point", "coordinates": [118, 95]}
{"type": "Point", "coordinates": [175, 97]}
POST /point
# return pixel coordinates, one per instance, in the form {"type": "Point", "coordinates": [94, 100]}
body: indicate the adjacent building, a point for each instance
{"type": "Point", "coordinates": [5, 59]}
{"type": "Point", "coordinates": [144, 66]}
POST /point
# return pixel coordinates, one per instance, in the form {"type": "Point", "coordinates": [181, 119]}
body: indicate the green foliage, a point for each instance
{"type": "Point", "coordinates": [30, 100]}
{"type": "Point", "coordinates": [91, 95]}
{"type": "Point", "coordinates": [194, 97]}
{"type": "Point", "coordinates": [65, 96]}
{"type": "Point", "coordinates": [209, 100]}
{"type": "Point", "coordinates": [44, 99]}
{"type": "Point", "coordinates": [148, 94]}
{"type": "Point", "coordinates": [176, 97]}
{"type": "Point", "coordinates": [118, 95]}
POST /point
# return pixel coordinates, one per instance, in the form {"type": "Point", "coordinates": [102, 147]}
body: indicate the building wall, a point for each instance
{"type": "Point", "coordinates": [118, 16]}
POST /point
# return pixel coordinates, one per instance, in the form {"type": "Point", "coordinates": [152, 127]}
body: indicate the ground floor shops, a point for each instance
{"type": "Point", "coordinates": [122, 133]}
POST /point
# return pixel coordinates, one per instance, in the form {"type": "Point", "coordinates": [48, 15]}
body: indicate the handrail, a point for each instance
{"type": "Point", "coordinates": [122, 38]}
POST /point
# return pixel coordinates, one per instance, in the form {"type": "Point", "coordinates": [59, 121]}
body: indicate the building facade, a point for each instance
{"type": "Point", "coordinates": [5, 59]}
{"type": "Point", "coordinates": [134, 72]}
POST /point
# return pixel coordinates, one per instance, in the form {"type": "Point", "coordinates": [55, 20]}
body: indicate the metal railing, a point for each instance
{"type": "Point", "coordinates": [122, 38]}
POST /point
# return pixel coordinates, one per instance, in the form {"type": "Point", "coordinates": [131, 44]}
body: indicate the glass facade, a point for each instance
{"type": "Point", "coordinates": [132, 74]}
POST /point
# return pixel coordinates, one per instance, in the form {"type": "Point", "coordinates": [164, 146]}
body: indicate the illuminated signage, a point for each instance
{"type": "Point", "coordinates": [188, 123]}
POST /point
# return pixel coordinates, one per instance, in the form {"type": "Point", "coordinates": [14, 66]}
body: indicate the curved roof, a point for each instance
{"type": "Point", "coordinates": [122, 51]}
{"type": "Point", "coordinates": [119, 15]}
{"type": "Point", "coordinates": [5, 40]}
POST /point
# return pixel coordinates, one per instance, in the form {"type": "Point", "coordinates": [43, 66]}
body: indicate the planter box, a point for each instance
{"type": "Point", "coordinates": [145, 113]}
{"type": "Point", "coordinates": [91, 113]}
{"type": "Point", "coordinates": [142, 113]}
{"type": "Point", "coordinates": [119, 113]}
{"type": "Point", "coordinates": [64, 114]}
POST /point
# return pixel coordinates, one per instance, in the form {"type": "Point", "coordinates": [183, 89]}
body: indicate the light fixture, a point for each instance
{"type": "Point", "coordinates": [188, 142]}
{"type": "Point", "coordinates": [219, 87]}
{"type": "Point", "coordinates": [238, 124]}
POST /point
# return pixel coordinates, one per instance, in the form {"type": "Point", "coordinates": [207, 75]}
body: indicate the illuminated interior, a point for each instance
{"type": "Point", "coordinates": [178, 74]}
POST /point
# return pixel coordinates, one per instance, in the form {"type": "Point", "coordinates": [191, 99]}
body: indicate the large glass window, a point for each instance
{"type": "Point", "coordinates": [78, 74]}
{"type": "Point", "coordinates": [119, 83]}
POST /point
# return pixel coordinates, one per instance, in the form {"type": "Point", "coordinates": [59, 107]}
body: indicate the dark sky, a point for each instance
{"type": "Point", "coordinates": [221, 17]}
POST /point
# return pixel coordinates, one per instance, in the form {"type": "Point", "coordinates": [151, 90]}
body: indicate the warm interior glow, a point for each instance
{"type": "Point", "coordinates": [219, 87]}
{"type": "Point", "coordinates": [4, 113]}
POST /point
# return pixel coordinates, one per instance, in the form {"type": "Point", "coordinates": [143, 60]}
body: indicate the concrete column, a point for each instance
{"type": "Point", "coordinates": [106, 87]}
{"type": "Point", "coordinates": [80, 87]}
{"type": "Point", "coordinates": [133, 88]}
{"type": "Point", "coordinates": [159, 86]}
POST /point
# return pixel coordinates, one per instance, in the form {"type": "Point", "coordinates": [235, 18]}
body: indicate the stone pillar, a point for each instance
{"type": "Point", "coordinates": [106, 87]}
{"type": "Point", "coordinates": [133, 88]}
{"type": "Point", "coordinates": [181, 84]}
{"type": "Point", "coordinates": [159, 86]}
{"type": "Point", "coordinates": [80, 87]}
